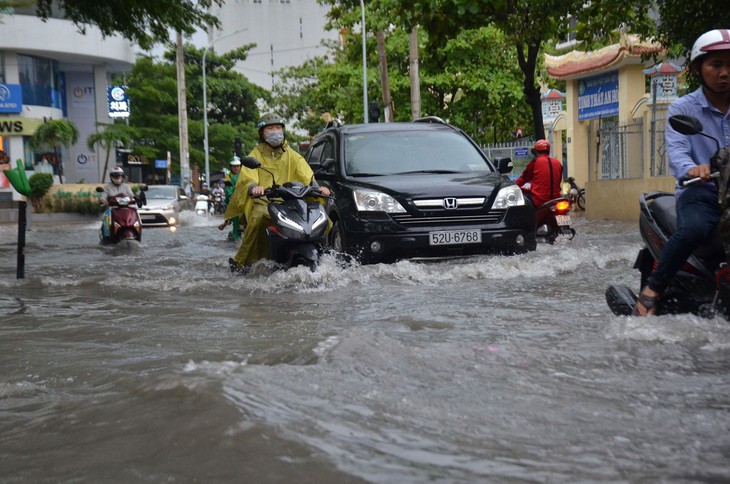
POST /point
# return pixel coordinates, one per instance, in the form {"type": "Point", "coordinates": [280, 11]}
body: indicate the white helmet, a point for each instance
{"type": "Point", "coordinates": [714, 40]}
{"type": "Point", "coordinates": [116, 175]}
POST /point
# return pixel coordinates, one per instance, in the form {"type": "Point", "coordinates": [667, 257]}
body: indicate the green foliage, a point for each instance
{"type": "Point", "coordinates": [144, 22]}
{"type": "Point", "coordinates": [40, 184]}
{"type": "Point", "coordinates": [108, 137]}
{"type": "Point", "coordinates": [232, 106]}
{"type": "Point", "coordinates": [682, 22]}
{"type": "Point", "coordinates": [473, 81]}
{"type": "Point", "coordinates": [53, 133]}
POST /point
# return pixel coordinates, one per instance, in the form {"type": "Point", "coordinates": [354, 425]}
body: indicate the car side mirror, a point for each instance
{"type": "Point", "coordinates": [504, 165]}
{"type": "Point", "coordinates": [250, 162]}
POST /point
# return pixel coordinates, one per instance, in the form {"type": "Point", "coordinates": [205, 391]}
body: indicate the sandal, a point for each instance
{"type": "Point", "coordinates": [649, 303]}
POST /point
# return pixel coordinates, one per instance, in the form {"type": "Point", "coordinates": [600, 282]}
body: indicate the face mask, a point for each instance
{"type": "Point", "coordinates": [274, 139]}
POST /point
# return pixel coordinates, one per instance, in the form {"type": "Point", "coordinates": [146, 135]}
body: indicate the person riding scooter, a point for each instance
{"type": "Point", "coordinates": [543, 173]}
{"type": "Point", "coordinates": [116, 186]}
{"type": "Point", "coordinates": [234, 165]}
{"type": "Point", "coordinates": [286, 165]}
{"type": "Point", "coordinates": [689, 156]}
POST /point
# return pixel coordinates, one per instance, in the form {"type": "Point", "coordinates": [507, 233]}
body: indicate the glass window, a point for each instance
{"type": "Point", "coordinates": [40, 81]}
{"type": "Point", "coordinates": [392, 152]}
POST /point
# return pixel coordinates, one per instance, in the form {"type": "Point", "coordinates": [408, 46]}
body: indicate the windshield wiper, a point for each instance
{"type": "Point", "coordinates": [366, 174]}
{"type": "Point", "coordinates": [441, 172]}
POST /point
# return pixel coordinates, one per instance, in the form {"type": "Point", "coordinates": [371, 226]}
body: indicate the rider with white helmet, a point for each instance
{"type": "Point", "coordinates": [116, 185]}
{"type": "Point", "coordinates": [698, 211]}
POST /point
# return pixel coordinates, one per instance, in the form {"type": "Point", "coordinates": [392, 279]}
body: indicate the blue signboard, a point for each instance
{"type": "Point", "coordinates": [117, 101]}
{"type": "Point", "coordinates": [11, 98]}
{"type": "Point", "coordinates": [521, 152]}
{"type": "Point", "coordinates": [598, 96]}
{"type": "Point", "coordinates": [160, 163]}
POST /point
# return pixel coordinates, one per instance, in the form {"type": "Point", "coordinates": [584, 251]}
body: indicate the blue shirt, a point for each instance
{"type": "Point", "coordinates": [687, 151]}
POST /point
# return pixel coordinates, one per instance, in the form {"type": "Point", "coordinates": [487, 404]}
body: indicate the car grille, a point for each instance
{"type": "Point", "coordinates": [449, 218]}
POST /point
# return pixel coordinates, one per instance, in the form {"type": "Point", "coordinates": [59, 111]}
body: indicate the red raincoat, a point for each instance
{"type": "Point", "coordinates": [545, 175]}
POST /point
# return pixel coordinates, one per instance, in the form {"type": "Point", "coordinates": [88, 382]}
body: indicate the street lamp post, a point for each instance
{"type": "Point", "coordinates": [205, 122]}
{"type": "Point", "coordinates": [364, 67]}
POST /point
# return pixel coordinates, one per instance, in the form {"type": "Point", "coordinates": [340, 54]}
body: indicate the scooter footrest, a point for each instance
{"type": "Point", "coordinates": [621, 300]}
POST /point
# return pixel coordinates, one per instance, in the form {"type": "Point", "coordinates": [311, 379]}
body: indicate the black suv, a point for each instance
{"type": "Point", "coordinates": [418, 189]}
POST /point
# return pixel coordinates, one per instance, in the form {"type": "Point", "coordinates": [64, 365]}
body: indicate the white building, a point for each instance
{"type": "Point", "coordinates": [48, 70]}
{"type": "Point", "coordinates": [286, 33]}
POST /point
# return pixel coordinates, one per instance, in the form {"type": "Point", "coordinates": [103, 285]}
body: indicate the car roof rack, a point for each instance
{"type": "Point", "coordinates": [335, 123]}
{"type": "Point", "coordinates": [430, 119]}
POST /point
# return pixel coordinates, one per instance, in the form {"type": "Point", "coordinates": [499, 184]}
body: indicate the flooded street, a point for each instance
{"type": "Point", "coordinates": [151, 362]}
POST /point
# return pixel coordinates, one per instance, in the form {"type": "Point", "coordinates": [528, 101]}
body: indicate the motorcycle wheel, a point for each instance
{"type": "Point", "coordinates": [581, 199]}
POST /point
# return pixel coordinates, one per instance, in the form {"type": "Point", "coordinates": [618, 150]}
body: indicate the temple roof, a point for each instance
{"type": "Point", "coordinates": [577, 64]}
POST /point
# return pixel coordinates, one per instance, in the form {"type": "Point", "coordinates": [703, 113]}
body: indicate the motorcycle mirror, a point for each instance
{"type": "Point", "coordinates": [143, 187]}
{"type": "Point", "coordinates": [99, 189]}
{"type": "Point", "coordinates": [250, 162]}
{"type": "Point", "coordinates": [685, 124]}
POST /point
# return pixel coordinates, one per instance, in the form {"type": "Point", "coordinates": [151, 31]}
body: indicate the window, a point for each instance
{"type": "Point", "coordinates": [40, 81]}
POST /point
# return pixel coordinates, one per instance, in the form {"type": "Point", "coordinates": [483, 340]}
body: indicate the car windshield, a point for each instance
{"type": "Point", "coordinates": [160, 193]}
{"type": "Point", "coordinates": [405, 152]}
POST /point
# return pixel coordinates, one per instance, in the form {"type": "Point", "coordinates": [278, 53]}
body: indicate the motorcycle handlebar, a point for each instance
{"type": "Point", "coordinates": [686, 181]}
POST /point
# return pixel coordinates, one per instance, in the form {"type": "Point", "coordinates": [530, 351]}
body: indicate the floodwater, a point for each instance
{"type": "Point", "coordinates": [153, 363]}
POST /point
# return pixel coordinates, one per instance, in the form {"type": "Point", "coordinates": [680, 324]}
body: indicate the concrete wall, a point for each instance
{"type": "Point", "coordinates": [619, 199]}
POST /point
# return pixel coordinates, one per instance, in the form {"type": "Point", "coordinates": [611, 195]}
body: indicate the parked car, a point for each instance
{"type": "Point", "coordinates": [164, 204]}
{"type": "Point", "coordinates": [418, 189]}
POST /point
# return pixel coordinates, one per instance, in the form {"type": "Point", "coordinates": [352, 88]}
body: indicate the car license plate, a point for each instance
{"type": "Point", "coordinates": [563, 220]}
{"type": "Point", "coordinates": [454, 237]}
{"type": "Point", "coordinates": [148, 218]}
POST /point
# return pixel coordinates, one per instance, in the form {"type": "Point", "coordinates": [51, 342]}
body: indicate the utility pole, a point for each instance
{"type": "Point", "coordinates": [384, 80]}
{"type": "Point", "coordinates": [415, 85]}
{"type": "Point", "coordinates": [182, 111]}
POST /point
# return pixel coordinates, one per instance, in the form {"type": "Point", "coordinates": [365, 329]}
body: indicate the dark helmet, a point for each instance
{"type": "Point", "coordinates": [269, 119]}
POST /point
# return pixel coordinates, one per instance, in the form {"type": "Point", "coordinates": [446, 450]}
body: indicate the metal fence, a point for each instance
{"type": "Point", "coordinates": [622, 149]}
{"type": "Point", "coordinates": [518, 151]}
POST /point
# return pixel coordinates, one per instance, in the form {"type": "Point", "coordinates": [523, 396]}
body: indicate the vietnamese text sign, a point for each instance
{"type": "Point", "coordinates": [117, 101]}
{"type": "Point", "coordinates": [598, 96]}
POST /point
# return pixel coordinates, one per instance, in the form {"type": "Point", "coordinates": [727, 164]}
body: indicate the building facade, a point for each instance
{"type": "Point", "coordinates": [286, 33]}
{"type": "Point", "coordinates": [49, 70]}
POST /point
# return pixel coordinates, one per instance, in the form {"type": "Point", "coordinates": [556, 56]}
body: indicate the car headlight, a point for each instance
{"type": "Point", "coordinates": [373, 201]}
{"type": "Point", "coordinates": [510, 196]}
{"type": "Point", "coordinates": [168, 207]}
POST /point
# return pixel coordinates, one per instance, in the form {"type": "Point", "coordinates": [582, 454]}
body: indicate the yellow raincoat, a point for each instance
{"type": "Point", "coordinates": [287, 165]}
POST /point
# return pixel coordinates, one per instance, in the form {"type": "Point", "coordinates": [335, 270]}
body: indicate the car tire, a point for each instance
{"type": "Point", "coordinates": [338, 240]}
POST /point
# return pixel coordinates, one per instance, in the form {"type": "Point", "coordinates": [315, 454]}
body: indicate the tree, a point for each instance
{"type": "Point", "coordinates": [475, 88]}
{"type": "Point", "coordinates": [232, 105]}
{"type": "Point", "coordinates": [52, 134]}
{"type": "Point", "coordinates": [144, 22]}
{"type": "Point", "coordinates": [108, 138]}
{"type": "Point", "coordinates": [526, 24]}
{"type": "Point", "coordinates": [682, 22]}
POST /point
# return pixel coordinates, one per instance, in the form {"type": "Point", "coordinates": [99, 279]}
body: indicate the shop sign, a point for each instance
{"type": "Point", "coordinates": [598, 96]}
{"type": "Point", "coordinates": [117, 101]}
{"type": "Point", "coordinates": [11, 98]}
{"type": "Point", "coordinates": [15, 126]}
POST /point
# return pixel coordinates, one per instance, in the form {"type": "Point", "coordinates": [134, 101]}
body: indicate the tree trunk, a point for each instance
{"type": "Point", "coordinates": [415, 83]}
{"type": "Point", "coordinates": [384, 80]}
{"type": "Point", "coordinates": [530, 89]}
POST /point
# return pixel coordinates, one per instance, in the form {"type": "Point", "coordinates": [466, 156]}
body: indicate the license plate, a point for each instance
{"type": "Point", "coordinates": [563, 220]}
{"type": "Point", "coordinates": [454, 237]}
{"type": "Point", "coordinates": [148, 218]}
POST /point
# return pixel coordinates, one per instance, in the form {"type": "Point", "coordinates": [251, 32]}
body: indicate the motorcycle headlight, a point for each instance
{"type": "Point", "coordinates": [507, 197]}
{"type": "Point", "coordinates": [373, 201]}
{"type": "Point", "coordinates": [321, 220]}
{"type": "Point", "coordinates": [289, 223]}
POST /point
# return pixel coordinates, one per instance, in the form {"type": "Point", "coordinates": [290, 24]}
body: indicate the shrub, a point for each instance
{"type": "Point", "coordinates": [39, 183]}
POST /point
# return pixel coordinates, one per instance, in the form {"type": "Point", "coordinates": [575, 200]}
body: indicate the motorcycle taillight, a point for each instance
{"type": "Point", "coordinates": [562, 206]}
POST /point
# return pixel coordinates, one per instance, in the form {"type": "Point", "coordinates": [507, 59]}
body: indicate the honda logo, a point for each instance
{"type": "Point", "coordinates": [450, 203]}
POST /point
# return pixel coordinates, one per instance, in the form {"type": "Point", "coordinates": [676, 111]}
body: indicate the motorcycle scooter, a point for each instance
{"type": "Point", "coordinates": [552, 219]}
{"type": "Point", "coordinates": [297, 234]}
{"type": "Point", "coordinates": [121, 220]}
{"type": "Point", "coordinates": [702, 285]}
{"type": "Point", "coordinates": [203, 205]}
